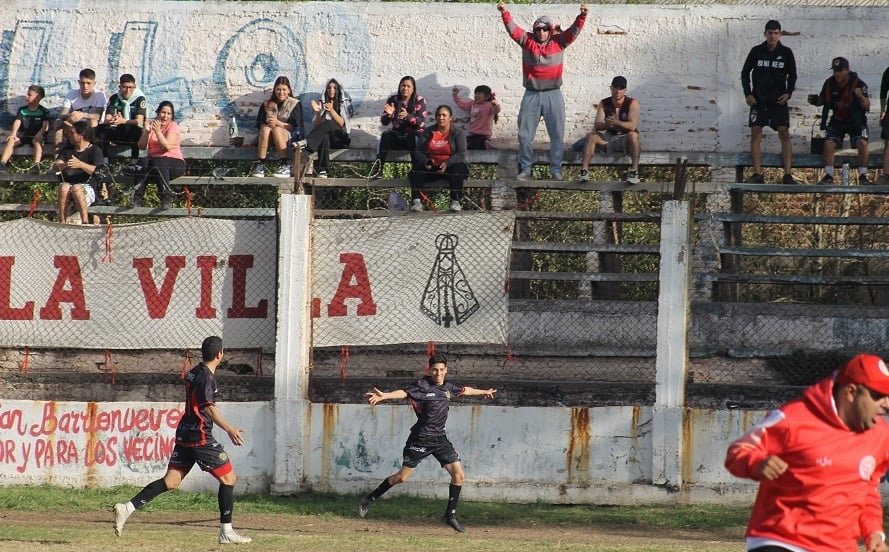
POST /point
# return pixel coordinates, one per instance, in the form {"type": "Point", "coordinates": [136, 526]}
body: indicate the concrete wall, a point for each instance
{"type": "Point", "coordinates": [213, 59]}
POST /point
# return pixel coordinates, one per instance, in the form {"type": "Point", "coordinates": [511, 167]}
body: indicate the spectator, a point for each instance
{"type": "Point", "coordinates": [406, 111]}
{"type": "Point", "coordinates": [441, 156]}
{"type": "Point", "coordinates": [542, 67]}
{"type": "Point", "coordinates": [846, 95]}
{"type": "Point", "coordinates": [773, 68]}
{"type": "Point", "coordinates": [884, 123]}
{"type": "Point", "coordinates": [124, 118]}
{"type": "Point", "coordinates": [75, 163]}
{"type": "Point", "coordinates": [84, 103]}
{"type": "Point", "coordinates": [330, 125]}
{"type": "Point", "coordinates": [280, 120]}
{"type": "Point", "coordinates": [165, 162]}
{"type": "Point", "coordinates": [32, 120]}
{"type": "Point", "coordinates": [616, 129]}
{"type": "Point", "coordinates": [483, 112]}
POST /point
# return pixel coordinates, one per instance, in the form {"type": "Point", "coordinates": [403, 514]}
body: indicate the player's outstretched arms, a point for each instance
{"type": "Point", "coordinates": [473, 392]}
{"type": "Point", "coordinates": [376, 396]}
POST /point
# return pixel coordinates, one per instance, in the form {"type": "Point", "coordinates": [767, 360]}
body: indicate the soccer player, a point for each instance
{"type": "Point", "coordinates": [195, 445]}
{"type": "Point", "coordinates": [429, 397]}
{"type": "Point", "coordinates": [818, 460]}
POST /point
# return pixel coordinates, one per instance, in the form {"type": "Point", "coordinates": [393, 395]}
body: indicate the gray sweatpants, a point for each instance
{"type": "Point", "coordinates": [551, 105]}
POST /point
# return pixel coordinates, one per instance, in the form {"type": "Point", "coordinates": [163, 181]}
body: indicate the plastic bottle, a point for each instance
{"type": "Point", "coordinates": [233, 131]}
{"type": "Point", "coordinates": [845, 175]}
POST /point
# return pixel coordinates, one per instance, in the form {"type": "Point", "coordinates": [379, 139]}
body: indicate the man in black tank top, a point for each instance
{"type": "Point", "coordinates": [616, 130]}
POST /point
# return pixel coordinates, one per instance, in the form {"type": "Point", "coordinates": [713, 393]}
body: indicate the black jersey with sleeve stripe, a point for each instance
{"type": "Point", "coordinates": [195, 427]}
{"type": "Point", "coordinates": [430, 403]}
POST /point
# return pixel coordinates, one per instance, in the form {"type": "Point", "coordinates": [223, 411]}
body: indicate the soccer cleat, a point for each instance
{"type": "Point", "coordinates": [633, 177]}
{"type": "Point", "coordinates": [284, 171]}
{"type": "Point", "coordinates": [120, 517]}
{"type": "Point", "coordinates": [826, 179]}
{"type": "Point", "coordinates": [364, 507]}
{"type": "Point", "coordinates": [300, 144]}
{"type": "Point", "coordinates": [523, 175]}
{"type": "Point", "coordinates": [455, 206]}
{"type": "Point", "coordinates": [417, 206]}
{"type": "Point", "coordinates": [231, 537]}
{"type": "Point", "coordinates": [584, 175]}
{"type": "Point", "coordinates": [259, 170]}
{"type": "Point", "coordinates": [789, 179]}
{"type": "Point", "coordinates": [756, 178]}
{"type": "Point", "coordinates": [454, 523]}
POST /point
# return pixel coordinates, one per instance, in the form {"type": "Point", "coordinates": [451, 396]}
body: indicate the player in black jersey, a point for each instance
{"type": "Point", "coordinates": [195, 445]}
{"type": "Point", "coordinates": [429, 398]}
{"type": "Point", "coordinates": [773, 70]}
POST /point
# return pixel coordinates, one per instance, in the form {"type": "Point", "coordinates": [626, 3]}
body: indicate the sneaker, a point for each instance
{"type": "Point", "coordinates": [364, 507]}
{"type": "Point", "coordinates": [633, 177]}
{"type": "Point", "coordinates": [166, 204]}
{"type": "Point", "coordinates": [284, 171]}
{"type": "Point", "coordinates": [789, 179]}
{"type": "Point", "coordinates": [35, 169]}
{"type": "Point", "coordinates": [557, 175]}
{"type": "Point", "coordinates": [756, 178]}
{"type": "Point", "coordinates": [883, 180]}
{"type": "Point", "coordinates": [417, 206]}
{"type": "Point", "coordinates": [300, 144]}
{"type": "Point", "coordinates": [120, 517]}
{"type": "Point", "coordinates": [453, 522]}
{"type": "Point", "coordinates": [455, 206]}
{"type": "Point", "coordinates": [231, 537]}
{"type": "Point", "coordinates": [826, 179]}
{"type": "Point", "coordinates": [584, 175]}
{"type": "Point", "coordinates": [259, 170]}
{"type": "Point", "coordinates": [523, 175]}
{"type": "Point", "coordinates": [322, 174]}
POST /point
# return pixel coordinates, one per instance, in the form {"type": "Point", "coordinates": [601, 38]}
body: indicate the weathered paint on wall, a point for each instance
{"type": "Point", "coordinates": [215, 59]}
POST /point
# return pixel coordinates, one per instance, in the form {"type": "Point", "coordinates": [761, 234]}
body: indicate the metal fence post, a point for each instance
{"type": "Point", "coordinates": [293, 345]}
{"type": "Point", "coordinates": [668, 424]}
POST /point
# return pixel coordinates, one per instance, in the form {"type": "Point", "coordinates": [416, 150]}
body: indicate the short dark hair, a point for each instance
{"type": "Point", "coordinates": [167, 103]}
{"type": "Point", "coordinates": [126, 77]}
{"type": "Point", "coordinates": [773, 25]}
{"type": "Point", "coordinates": [210, 347]}
{"type": "Point", "coordinates": [88, 74]}
{"type": "Point", "coordinates": [39, 89]}
{"type": "Point", "coordinates": [85, 129]}
{"type": "Point", "coordinates": [438, 358]}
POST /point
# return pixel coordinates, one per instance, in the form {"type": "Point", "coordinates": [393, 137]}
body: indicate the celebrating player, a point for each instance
{"type": "Point", "coordinates": [429, 397]}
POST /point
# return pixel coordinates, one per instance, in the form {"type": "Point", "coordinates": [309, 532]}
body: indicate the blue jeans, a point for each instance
{"type": "Point", "coordinates": [551, 105]}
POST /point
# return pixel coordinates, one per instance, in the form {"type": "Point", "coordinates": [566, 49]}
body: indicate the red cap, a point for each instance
{"type": "Point", "coordinates": [868, 370]}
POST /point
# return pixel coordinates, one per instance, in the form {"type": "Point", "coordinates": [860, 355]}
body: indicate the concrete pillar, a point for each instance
{"type": "Point", "coordinates": [668, 433]}
{"type": "Point", "coordinates": [293, 345]}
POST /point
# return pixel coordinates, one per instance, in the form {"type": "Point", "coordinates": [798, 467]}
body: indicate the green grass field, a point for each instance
{"type": "Point", "coordinates": [50, 518]}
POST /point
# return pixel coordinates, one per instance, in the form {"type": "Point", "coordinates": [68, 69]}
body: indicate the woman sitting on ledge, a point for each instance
{"type": "Point", "coordinates": [442, 156]}
{"type": "Point", "coordinates": [331, 126]}
{"type": "Point", "coordinates": [165, 161]}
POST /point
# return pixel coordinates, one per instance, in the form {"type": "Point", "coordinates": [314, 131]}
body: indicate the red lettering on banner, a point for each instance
{"type": "Point", "coordinates": [69, 272]}
{"type": "Point", "coordinates": [12, 419]}
{"type": "Point", "coordinates": [354, 268]}
{"type": "Point", "coordinates": [205, 309]}
{"type": "Point", "coordinates": [7, 311]}
{"type": "Point", "coordinates": [239, 309]}
{"type": "Point", "coordinates": [147, 449]}
{"type": "Point", "coordinates": [7, 452]}
{"type": "Point", "coordinates": [157, 300]}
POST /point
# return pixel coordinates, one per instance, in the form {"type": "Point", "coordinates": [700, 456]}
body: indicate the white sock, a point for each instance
{"type": "Point", "coordinates": [129, 508]}
{"type": "Point", "coordinates": [226, 527]}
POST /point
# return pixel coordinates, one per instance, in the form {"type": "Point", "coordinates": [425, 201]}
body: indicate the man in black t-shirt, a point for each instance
{"type": "Point", "coordinates": [124, 117]}
{"type": "Point", "coordinates": [430, 397]}
{"type": "Point", "coordinates": [773, 70]}
{"type": "Point", "coordinates": [884, 123]}
{"type": "Point", "coordinates": [195, 445]}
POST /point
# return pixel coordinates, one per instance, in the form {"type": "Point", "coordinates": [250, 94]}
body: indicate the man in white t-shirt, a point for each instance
{"type": "Point", "coordinates": [85, 103]}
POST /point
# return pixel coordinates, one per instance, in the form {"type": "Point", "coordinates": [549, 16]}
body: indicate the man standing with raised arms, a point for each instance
{"type": "Point", "coordinates": [542, 68]}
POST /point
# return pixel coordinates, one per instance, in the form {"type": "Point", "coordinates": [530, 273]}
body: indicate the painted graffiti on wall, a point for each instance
{"type": "Point", "coordinates": [140, 439]}
{"type": "Point", "coordinates": [161, 51]}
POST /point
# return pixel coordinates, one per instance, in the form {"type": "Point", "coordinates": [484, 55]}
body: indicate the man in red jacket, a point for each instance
{"type": "Point", "coordinates": [819, 460]}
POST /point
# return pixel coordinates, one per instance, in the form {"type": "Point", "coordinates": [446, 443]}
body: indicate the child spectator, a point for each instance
{"type": "Point", "coordinates": [32, 120]}
{"type": "Point", "coordinates": [483, 113]}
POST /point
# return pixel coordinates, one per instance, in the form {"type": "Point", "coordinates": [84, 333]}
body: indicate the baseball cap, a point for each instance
{"type": "Point", "coordinates": [868, 370]}
{"type": "Point", "coordinates": [543, 22]}
{"type": "Point", "coordinates": [619, 82]}
{"type": "Point", "coordinates": [839, 63]}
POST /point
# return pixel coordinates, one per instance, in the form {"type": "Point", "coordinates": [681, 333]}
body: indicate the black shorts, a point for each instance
{"type": "Point", "coordinates": [415, 450]}
{"type": "Point", "coordinates": [837, 131]}
{"type": "Point", "coordinates": [884, 134]}
{"type": "Point", "coordinates": [774, 116]}
{"type": "Point", "coordinates": [210, 458]}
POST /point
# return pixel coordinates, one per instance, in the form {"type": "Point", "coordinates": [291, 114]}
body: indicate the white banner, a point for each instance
{"type": "Point", "coordinates": [411, 279]}
{"type": "Point", "coordinates": [144, 286]}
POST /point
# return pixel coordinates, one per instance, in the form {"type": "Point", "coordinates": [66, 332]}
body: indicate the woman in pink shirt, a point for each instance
{"type": "Point", "coordinates": [165, 161]}
{"type": "Point", "coordinates": [483, 113]}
